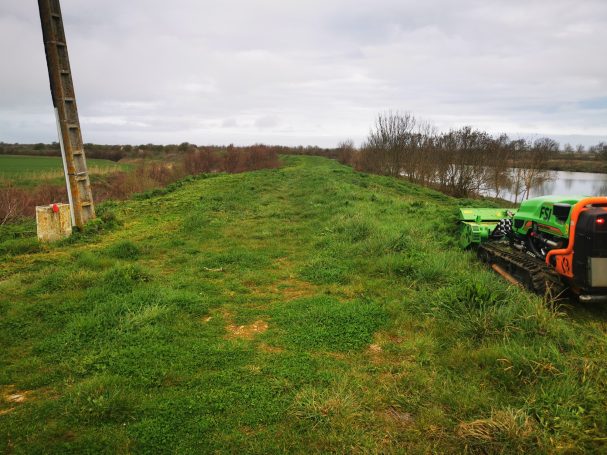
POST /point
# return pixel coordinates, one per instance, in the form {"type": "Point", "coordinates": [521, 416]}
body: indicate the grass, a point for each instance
{"type": "Point", "coordinates": [30, 170]}
{"type": "Point", "coordinates": [305, 309]}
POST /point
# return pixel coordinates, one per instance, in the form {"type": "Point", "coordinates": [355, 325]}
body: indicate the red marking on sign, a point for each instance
{"type": "Point", "coordinates": [55, 208]}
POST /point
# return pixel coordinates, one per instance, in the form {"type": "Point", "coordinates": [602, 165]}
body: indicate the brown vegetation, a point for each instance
{"type": "Point", "coordinates": [17, 203]}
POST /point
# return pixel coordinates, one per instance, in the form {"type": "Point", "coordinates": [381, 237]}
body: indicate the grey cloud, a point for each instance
{"type": "Point", "coordinates": [309, 72]}
{"type": "Point", "coordinates": [268, 121]}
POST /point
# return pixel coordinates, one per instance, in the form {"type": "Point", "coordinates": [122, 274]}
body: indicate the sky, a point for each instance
{"type": "Point", "coordinates": [309, 72]}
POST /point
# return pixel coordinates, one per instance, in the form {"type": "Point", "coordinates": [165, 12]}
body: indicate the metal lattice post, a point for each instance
{"type": "Point", "coordinates": [64, 101]}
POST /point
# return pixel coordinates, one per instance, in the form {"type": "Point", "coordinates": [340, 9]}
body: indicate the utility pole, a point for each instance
{"type": "Point", "coordinates": [66, 112]}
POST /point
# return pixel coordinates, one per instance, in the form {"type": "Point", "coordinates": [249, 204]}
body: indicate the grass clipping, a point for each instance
{"type": "Point", "coordinates": [508, 427]}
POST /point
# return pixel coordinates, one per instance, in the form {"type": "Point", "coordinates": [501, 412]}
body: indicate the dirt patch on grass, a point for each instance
{"type": "Point", "coordinates": [400, 418]}
{"type": "Point", "coordinates": [9, 394]}
{"type": "Point", "coordinates": [248, 331]}
{"type": "Point", "coordinates": [292, 289]}
{"type": "Point", "coordinates": [375, 348]}
{"type": "Point", "coordinates": [6, 411]}
{"type": "Point", "coordinates": [18, 397]}
{"type": "Point", "coordinates": [285, 290]}
{"type": "Point", "coordinates": [11, 397]}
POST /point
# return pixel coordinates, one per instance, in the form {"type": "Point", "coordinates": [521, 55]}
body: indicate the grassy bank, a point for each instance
{"type": "Point", "coordinates": [308, 308]}
{"type": "Point", "coordinates": [573, 165]}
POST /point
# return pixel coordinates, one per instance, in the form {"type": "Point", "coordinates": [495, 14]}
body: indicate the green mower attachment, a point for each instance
{"type": "Point", "coordinates": [477, 225]}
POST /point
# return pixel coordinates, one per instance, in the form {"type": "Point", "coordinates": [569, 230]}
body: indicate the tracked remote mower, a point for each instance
{"type": "Point", "coordinates": [548, 245]}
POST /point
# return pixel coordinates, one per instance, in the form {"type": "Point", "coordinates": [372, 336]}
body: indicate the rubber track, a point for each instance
{"type": "Point", "coordinates": [532, 272]}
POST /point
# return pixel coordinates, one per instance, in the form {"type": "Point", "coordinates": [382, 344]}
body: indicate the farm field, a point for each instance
{"type": "Point", "coordinates": [304, 309]}
{"type": "Point", "coordinates": [30, 170]}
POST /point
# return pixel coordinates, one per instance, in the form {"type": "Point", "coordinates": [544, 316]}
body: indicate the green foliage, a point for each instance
{"type": "Point", "coordinates": [102, 399]}
{"type": "Point", "coordinates": [326, 323]}
{"type": "Point", "coordinates": [11, 231]}
{"type": "Point", "coordinates": [106, 213]}
{"type": "Point", "coordinates": [120, 279]}
{"type": "Point", "coordinates": [124, 249]}
{"type": "Point", "coordinates": [355, 229]}
{"type": "Point", "coordinates": [325, 270]}
{"type": "Point", "coordinates": [15, 247]}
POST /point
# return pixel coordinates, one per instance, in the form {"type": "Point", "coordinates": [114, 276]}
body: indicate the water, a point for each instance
{"type": "Point", "coordinates": [567, 184]}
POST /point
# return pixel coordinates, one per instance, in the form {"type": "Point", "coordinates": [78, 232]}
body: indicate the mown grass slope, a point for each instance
{"type": "Point", "coordinates": [305, 309]}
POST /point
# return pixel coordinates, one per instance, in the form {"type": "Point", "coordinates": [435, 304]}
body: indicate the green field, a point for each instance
{"type": "Point", "coordinates": [307, 309]}
{"type": "Point", "coordinates": [30, 170]}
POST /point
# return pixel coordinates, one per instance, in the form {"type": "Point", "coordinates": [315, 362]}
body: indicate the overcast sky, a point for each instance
{"type": "Point", "coordinates": [309, 71]}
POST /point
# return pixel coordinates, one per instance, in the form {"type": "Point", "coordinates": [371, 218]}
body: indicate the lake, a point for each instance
{"type": "Point", "coordinates": [567, 184]}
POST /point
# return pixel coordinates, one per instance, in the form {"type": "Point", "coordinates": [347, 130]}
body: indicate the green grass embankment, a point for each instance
{"type": "Point", "coordinates": [305, 309]}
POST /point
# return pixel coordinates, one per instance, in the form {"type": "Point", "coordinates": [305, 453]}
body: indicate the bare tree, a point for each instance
{"type": "Point", "coordinates": [498, 154]}
{"type": "Point", "coordinates": [461, 162]}
{"type": "Point", "coordinates": [10, 201]}
{"type": "Point", "coordinates": [388, 142]}
{"type": "Point", "coordinates": [346, 152]}
{"type": "Point", "coordinates": [600, 150]}
{"type": "Point", "coordinates": [518, 149]}
{"type": "Point", "coordinates": [535, 172]}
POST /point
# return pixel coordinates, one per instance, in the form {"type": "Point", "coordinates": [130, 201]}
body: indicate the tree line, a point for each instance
{"type": "Point", "coordinates": [167, 152]}
{"type": "Point", "coordinates": [463, 162]}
